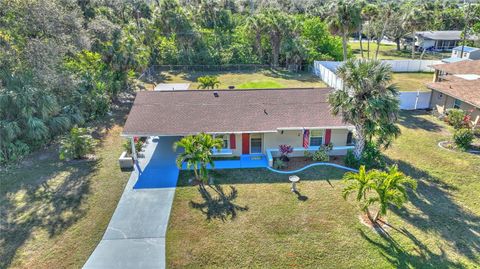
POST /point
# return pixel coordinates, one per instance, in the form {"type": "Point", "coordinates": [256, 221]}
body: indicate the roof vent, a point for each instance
{"type": "Point", "coordinates": [215, 94]}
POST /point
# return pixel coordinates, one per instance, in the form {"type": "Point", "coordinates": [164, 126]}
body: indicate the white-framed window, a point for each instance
{"type": "Point", "coordinates": [316, 138]}
{"type": "Point", "coordinates": [225, 138]}
{"type": "Point", "coordinates": [255, 143]}
{"type": "Point", "coordinates": [457, 103]}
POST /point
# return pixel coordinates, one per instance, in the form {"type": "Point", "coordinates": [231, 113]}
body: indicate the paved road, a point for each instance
{"type": "Point", "coordinates": [135, 236]}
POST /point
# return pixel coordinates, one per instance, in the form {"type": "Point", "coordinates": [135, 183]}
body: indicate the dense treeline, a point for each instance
{"type": "Point", "coordinates": [64, 62]}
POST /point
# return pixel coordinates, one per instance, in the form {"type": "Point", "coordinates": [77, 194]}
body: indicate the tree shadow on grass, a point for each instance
{"type": "Point", "coordinates": [220, 205]}
{"type": "Point", "coordinates": [287, 75]}
{"type": "Point", "coordinates": [397, 256]}
{"type": "Point", "coordinates": [436, 211]}
{"type": "Point", "coordinates": [415, 120]}
{"type": "Point", "coordinates": [43, 205]}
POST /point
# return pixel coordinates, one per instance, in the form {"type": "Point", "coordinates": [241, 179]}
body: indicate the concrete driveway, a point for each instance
{"type": "Point", "coordinates": [135, 236]}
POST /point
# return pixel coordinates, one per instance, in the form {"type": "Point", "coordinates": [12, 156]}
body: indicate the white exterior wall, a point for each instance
{"type": "Point", "coordinates": [292, 138]}
{"type": "Point", "coordinates": [425, 43]}
{"type": "Point", "coordinates": [338, 139]}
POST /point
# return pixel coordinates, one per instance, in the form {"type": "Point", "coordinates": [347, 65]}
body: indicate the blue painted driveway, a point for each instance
{"type": "Point", "coordinates": [161, 171]}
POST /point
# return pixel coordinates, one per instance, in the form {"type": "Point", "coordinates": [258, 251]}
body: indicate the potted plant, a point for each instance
{"type": "Point", "coordinates": [126, 159]}
{"type": "Point", "coordinates": [284, 151]}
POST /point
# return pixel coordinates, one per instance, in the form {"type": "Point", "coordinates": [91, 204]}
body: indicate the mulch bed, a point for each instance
{"type": "Point", "coordinates": [449, 145]}
{"type": "Point", "coordinates": [300, 162]}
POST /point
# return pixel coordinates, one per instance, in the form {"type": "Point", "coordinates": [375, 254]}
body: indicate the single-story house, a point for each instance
{"type": "Point", "coordinates": [464, 68]}
{"type": "Point", "coordinates": [250, 122]}
{"type": "Point", "coordinates": [457, 85]}
{"type": "Point", "coordinates": [439, 40]}
{"type": "Point", "coordinates": [468, 52]}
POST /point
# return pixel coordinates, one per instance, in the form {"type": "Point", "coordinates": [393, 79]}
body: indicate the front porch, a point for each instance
{"type": "Point", "coordinates": [244, 161]}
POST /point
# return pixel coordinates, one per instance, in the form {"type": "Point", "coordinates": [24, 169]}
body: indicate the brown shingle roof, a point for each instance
{"type": "Point", "coordinates": [462, 67]}
{"type": "Point", "coordinates": [467, 91]}
{"type": "Point", "coordinates": [193, 111]}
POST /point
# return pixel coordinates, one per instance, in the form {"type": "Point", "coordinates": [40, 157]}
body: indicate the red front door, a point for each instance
{"type": "Point", "coordinates": [245, 143]}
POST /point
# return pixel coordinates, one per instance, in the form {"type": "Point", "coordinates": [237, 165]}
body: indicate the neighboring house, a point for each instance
{"type": "Point", "coordinates": [439, 40]}
{"type": "Point", "coordinates": [457, 85]}
{"type": "Point", "coordinates": [250, 122]}
{"type": "Point", "coordinates": [468, 52]}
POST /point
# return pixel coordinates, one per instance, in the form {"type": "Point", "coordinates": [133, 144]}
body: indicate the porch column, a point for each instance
{"type": "Point", "coordinates": [134, 152]}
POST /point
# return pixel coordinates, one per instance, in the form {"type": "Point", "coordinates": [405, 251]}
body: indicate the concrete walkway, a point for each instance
{"type": "Point", "coordinates": [135, 236]}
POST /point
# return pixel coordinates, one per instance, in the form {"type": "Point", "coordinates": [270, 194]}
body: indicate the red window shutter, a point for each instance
{"type": "Point", "coordinates": [232, 141]}
{"type": "Point", "coordinates": [245, 143]}
{"type": "Point", "coordinates": [328, 136]}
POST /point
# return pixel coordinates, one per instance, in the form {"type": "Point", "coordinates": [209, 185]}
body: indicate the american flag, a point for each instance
{"type": "Point", "coordinates": [306, 138]}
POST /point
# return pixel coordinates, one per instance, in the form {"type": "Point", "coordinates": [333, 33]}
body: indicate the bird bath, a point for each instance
{"type": "Point", "coordinates": [294, 179]}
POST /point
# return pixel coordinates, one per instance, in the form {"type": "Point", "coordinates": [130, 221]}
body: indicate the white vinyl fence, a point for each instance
{"type": "Point", "coordinates": [412, 65]}
{"type": "Point", "coordinates": [408, 100]}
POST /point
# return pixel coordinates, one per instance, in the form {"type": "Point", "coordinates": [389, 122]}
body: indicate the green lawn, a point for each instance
{"type": "Point", "coordinates": [389, 52]}
{"type": "Point", "coordinates": [243, 79]}
{"type": "Point", "coordinates": [262, 224]}
{"type": "Point", "coordinates": [54, 213]}
{"type": "Point", "coordinates": [412, 81]}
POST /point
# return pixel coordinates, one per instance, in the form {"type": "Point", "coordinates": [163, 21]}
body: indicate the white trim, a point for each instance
{"type": "Point", "coordinates": [314, 128]}
{"type": "Point", "coordinates": [349, 127]}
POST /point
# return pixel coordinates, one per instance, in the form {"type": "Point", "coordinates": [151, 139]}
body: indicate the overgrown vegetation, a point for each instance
{"type": "Point", "coordinates": [77, 144]}
{"type": "Point", "coordinates": [66, 62]}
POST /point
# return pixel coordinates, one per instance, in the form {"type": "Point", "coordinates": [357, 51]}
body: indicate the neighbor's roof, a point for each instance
{"type": "Point", "coordinates": [443, 35]}
{"type": "Point", "coordinates": [454, 60]}
{"type": "Point", "coordinates": [466, 48]}
{"type": "Point", "coordinates": [253, 110]}
{"type": "Point", "coordinates": [463, 67]}
{"type": "Point", "coordinates": [467, 91]}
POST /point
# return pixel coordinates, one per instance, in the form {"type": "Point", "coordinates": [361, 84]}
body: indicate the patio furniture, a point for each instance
{"type": "Point", "coordinates": [294, 179]}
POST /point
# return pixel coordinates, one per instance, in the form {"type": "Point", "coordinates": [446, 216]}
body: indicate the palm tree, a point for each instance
{"type": "Point", "coordinates": [378, 187]}
{"type": "Point", "coordinates": [344, 19]}
{"type": "Point", "coordinates": [197, 153]}
{"type": "Point", "coordinates": [360, 183]}
{"type": "Point", "coordinates": [413, 21]}
{"type": "Point", "coordinates": [208, 82]}
{"type": "Point", "coordinates": [367, 101]}
{"type": "Point", "coordinates": [391, 189]}
{"type": "Point", "coordinates": [276, 24]}
{"type": "Point", "coordinates": [369, 13]}
{"type": "Point", "coordinates": [257, 24]}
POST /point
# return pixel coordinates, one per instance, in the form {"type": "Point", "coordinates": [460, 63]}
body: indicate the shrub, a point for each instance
{"type": "Point", "coordinates": [476, 132]}
{"type": "Point", "coordinates": [350, 160]}
{"type": "Point", "coordinates": [307, 154]}
{"type": "Point", "coordinates": [278, 164]}
{"type": "Point", "coordinates": [14, 152]}
{"type": "Point", "coordinates": [371, 157]}
{"type": "Point", "coordinates": [128, 145]}
{"type": "Point", "coordinates": [320, 155]}
{"type": "Point", "coordinates": [463, 138]}
{"type": "Point", "coordinates": [77, 144]}
{"type": "Point", "coordinates": [457, 118]}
